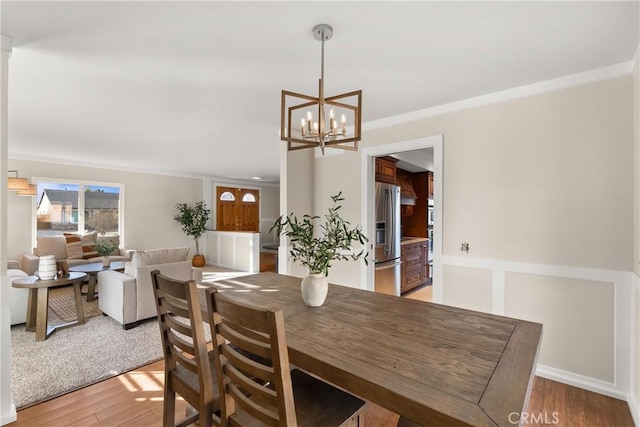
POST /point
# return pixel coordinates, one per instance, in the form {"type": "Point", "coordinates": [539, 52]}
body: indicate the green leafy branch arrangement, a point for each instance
{"type": "Point", "coordinates": [105, 247]}
{"type": "Point", "coordinates": [334, 243]}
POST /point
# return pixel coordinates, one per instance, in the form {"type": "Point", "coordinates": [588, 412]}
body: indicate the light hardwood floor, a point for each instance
{"type": "Point", "coordinates": [135, 399]}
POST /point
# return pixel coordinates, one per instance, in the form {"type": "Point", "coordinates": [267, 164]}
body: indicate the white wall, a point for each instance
{"type": "Point", "coordinates": [7, 408]}
{"type": "Point", "coordinates": [539, 186]}
{"type": "Point", "coordinates": [634, 402]}
{"type": "Point", "coordinates": [149, 205]}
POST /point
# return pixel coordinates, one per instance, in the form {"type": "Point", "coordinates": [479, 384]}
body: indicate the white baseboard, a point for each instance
{"type": "Point", "coordinates": [577, 380]}
{"type": "Point", "coordinates": [634, 407]}
{"type": "Point", "coordinates": [10, 417]}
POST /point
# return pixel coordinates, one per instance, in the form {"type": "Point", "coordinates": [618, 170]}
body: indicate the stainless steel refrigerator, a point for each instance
{"type": "Point", "coordinates": [387, 239]}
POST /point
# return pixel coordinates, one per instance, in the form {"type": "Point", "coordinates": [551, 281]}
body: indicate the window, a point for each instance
{"type": "Point", "coordinates": [227, 197]}
{"type": "Point", "coordinates": [249, 198]}
{"type": "Point", "coordinates": [72, 206]}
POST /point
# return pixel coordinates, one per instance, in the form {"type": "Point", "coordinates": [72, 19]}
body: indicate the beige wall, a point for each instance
{"type": "Point", "coordinates": [468, 288]}
{"type": "Point", "coordinates": [149, 204]}
{"type": "Point", "coordinates": [578, 319]}
{"type": "Point", "coordinates": [533, 184]}
{"type": "Point", "coordinates": [269, 211]}
{"type": "Point", "coordinates": [636, 227]}
{"type": "Point", "coordinates": [297, 197]}
{"type": "Point", "coordinates": [549, 178]}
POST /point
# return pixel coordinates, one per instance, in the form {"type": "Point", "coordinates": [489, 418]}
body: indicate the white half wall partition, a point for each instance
{"type": "Point", "coordinates": [238, 250]}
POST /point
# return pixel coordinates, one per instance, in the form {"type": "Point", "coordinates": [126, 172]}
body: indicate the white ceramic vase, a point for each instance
{"type": "Point", "coordinates": [106, 261]}
{"type": "Point", "coordinates": [314, 289]}
{"type": "Point", "coordinates": [47, 267]}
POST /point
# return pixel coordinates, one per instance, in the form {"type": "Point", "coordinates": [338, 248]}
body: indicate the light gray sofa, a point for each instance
{"type": "Point", "coordinates": [128, 297]}
{"type": "Point", "coordinates": [57, 245]}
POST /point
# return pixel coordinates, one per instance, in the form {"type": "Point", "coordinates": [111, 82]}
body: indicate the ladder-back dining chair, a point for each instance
{"type": "Point", "coordinates": [254, 379]}
{"type": "Point", "coordinates": [188, 370]}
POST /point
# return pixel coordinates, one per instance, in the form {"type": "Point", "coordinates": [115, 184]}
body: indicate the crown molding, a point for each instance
{"type": "Point", "coordinates": [586, 77]}
{"type": "Point", "coordinates": [139, 170]}
{"type": "Point", "coordinates": [7, 43]}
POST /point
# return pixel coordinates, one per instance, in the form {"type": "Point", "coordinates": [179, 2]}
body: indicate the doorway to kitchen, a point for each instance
{"type": "Point", "coordinates": [406, 153]}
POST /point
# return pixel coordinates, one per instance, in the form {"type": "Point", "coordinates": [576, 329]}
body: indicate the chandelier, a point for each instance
{"type": "Point", "coordinates": [309, 122]}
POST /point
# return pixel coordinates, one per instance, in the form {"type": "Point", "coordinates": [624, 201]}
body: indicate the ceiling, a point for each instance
{"type": "Point", "coordinates": [193, 88]}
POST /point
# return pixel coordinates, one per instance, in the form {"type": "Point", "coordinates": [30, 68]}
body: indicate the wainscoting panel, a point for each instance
{"type": "Point", "coordinates": [590, 317]}
{"type": "Point", "coordinates": [578, 319]}
{"type": "Point", "coordinates": [234, 249]}
{"type": "Point", "coordinates": [468, 288]}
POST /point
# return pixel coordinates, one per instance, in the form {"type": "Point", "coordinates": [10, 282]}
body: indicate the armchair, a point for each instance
{"type": "Point", "coordinates": [128, 297]}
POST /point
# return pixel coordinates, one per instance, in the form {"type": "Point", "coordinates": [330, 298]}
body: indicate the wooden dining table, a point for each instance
{"type": "Point", "coordinates": [434, 364]}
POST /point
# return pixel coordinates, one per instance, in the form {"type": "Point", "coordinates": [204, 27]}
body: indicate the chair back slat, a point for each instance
{"type": "Point", "coordinates": [251, 361]}
{"type": "Point", "coordinates": [248, 363]}
{"type": "Point", "coordinates": [242, 315]}
{"type": "Point", "coordinates": [250, 386]}
{"type": "Point", "coordinates": [244, 341]}
{"type": "Point", "coordinates": [182, 358]}
{"type": "Point", "coordinates": [261, 412]}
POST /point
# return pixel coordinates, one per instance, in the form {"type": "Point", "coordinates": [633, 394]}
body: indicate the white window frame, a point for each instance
{"type": "Point", "coordinates": [82, 184]}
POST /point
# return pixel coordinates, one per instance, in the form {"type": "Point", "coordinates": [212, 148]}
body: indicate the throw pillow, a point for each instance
{"type": "Point", "coordinates": [74, 246]}
{"type": "Point", "coordinates": [88, 244]}
{"type": "Point", "coordinates": [89, 238]}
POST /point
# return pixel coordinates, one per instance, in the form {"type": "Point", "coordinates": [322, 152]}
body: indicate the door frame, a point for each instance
{"type": "Point", "coordinates": [367, 155]}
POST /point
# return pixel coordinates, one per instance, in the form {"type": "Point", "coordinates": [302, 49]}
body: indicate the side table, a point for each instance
{"type": "Point", "coordinates": [38, 302]}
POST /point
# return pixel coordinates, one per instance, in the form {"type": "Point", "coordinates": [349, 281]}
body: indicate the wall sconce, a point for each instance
{"type": "Point", "coordinates": [20, 185]}
{"type": "Point", "coordinates": [30, 192]}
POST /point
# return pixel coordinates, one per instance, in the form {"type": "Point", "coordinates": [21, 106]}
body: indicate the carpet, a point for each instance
{"type": "Point", "coordinates": [63, 304]}
{"type": "Point", "coordinates": [76, 357]}
{"type": "Point", "coordinates": [82, 355]}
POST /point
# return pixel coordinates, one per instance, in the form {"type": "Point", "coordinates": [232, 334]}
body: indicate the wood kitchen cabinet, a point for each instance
{"type": "Point", "coordinates": [415, 265]}
{"type": "Point", "coordinates": [406, 210]}
{"type": "Point", "coordinates": [429, 184]}
{"type": "Point", "coordinates": [386, 169]}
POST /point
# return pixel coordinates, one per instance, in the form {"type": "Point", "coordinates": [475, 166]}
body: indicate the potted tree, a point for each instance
{"type": "Point", "coordinates": [315, 246]}
{"type": "Point", "coordinates": [193, 219]}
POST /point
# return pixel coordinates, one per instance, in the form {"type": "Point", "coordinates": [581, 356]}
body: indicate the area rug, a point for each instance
{"type": "Point", "coordinates": [78, 356]}
{"type": "Point", "coordinates": [62, 302]}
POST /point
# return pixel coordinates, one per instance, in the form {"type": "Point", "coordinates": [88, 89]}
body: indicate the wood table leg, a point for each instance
{"type": "Point", "coordinates": [77, 291]}
{"type": "Point", "coordinates": [32, 305]}
{"type": "Point", "coordinates": [41, 320]}
{"type": "Point", "coordinates": [91, 287]}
